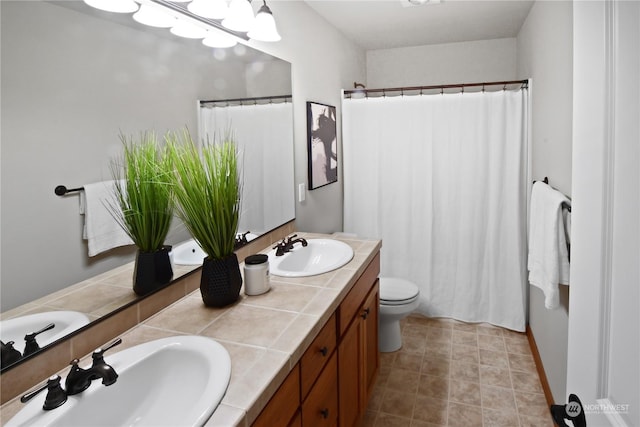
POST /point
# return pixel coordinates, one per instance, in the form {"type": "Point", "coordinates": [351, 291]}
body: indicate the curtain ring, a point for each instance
{"type": "Point", "coordinates": [462, 89]}
{"type": "Point", "coordinates": [441, 91]}
{"type": "Point", "coordinates": [482, 87]}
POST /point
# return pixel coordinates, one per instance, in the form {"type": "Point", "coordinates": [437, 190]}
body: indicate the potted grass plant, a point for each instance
{"type": "Point", "coordinates": [207, 190]}
{"type": "Point", "coordinates": [145, 208]}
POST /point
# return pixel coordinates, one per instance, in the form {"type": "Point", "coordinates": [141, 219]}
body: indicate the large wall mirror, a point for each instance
{"type": "Point", "coordinates": [73, 79]}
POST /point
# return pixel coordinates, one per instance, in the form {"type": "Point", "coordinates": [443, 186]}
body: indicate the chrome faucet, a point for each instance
{"type": "Point", "coordinates": [78, 379]}
{"type": "Point", "coordinates": [286, 245]}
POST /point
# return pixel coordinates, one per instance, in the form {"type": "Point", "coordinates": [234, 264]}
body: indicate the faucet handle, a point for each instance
{"type": "Point", "coordinates": [31, 345]}
{"type": "Point", "coordinates": [99, 352]}
{"type": "Point", "coordinates": [56, 396]}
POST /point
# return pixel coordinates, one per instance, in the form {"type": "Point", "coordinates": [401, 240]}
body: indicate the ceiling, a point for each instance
{"type": "Point", "coordinates": [383, 24]}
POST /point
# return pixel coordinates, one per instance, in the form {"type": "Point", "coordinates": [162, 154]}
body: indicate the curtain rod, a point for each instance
{"type": "Point", "coordinates": [524, 84]}
{"type": "Point", "coordinates": [253, 100]}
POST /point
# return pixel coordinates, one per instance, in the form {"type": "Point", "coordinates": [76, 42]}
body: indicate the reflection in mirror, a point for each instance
{"type": "Point", "coordinates": [73, 79]}
{"type": "Point", "coordinates": [263, 133]}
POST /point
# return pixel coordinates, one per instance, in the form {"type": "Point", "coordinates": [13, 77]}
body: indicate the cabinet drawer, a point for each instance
{"type": "Point", "coordinates": [317, 355]}
{"type": "Point", "coordinates": [354, 299]}
{"type": "Point", "coordinates": [321, 406]}
{"type": "Point", "coordinates": [284, 403]}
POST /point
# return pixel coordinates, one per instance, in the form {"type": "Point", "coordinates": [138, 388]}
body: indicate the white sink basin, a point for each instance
{"type": "Point", "coordinates": [65, 323]}
{"type": "Point", "coordinates": [319, 256]}
{"type": "Point", "coordinates": [175, 381]}
{"type": "Point", "coordinates": [190, 253]}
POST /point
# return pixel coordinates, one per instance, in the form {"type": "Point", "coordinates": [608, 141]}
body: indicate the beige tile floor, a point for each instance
{"type": "Point", "coordinates": [450, 373]}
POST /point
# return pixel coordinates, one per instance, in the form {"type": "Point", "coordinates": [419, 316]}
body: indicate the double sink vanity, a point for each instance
{"type": "Point", "coordinates": [303, 354]}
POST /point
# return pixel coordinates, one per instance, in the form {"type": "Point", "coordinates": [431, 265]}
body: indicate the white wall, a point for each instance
{"type": "Point", "coordinates": [466, 62]}
{"type": "Point", "coordinates": [544, 52]}
{"type": "Point", "coordinates": [323, 62]}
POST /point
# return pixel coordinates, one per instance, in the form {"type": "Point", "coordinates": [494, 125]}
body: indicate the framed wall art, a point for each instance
{"type": "Point", "coordinates": [322, 144]}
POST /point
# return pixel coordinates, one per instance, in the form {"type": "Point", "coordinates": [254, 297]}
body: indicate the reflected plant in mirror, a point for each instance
{"type": "Point", "coordinates": [144, 207]}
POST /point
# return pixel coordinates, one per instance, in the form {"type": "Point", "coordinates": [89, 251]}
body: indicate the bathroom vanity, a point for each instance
{"type": "Point", "coordinates": [305, 353]}
{"type": "Point", "coordinates": [332, 382]}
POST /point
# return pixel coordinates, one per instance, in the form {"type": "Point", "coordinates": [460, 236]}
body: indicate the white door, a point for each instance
{"type": "Point", "coordinates": [603, 366]}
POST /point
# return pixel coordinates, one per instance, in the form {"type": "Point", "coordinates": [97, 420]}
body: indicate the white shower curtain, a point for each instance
{"type": "Point", "coordinates": [441, 179]}
{"type": "Point", "coordinates": [264, 136]}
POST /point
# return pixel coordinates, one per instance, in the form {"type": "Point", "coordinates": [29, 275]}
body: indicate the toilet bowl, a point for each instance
{"type": "Point", "coordinates": [398, 298]}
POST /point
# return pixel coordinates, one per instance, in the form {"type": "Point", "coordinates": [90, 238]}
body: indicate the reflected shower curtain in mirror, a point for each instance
{"type": "Point", "coordinates": [265, 138]}
{"type": "Point", "coordinates": [441, 179]}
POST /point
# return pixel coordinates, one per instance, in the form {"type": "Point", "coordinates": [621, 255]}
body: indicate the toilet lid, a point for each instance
{"type": "Point", "coordinates": [394, 291]}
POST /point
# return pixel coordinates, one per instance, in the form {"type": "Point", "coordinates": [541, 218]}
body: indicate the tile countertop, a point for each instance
{"type": "Point", "coordinates": [265, 335]}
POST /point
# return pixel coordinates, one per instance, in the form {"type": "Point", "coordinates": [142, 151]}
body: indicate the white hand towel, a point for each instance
{"type": "Point", "coordinates": [548, 262]}
{"type": "Point", "coordinates": [101, 230]}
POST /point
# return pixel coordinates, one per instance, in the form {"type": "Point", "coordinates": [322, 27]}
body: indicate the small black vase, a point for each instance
{"type": "Point", "coordinates": [152, 271]}
{"type": "Point", "coordinates": [221, 281]}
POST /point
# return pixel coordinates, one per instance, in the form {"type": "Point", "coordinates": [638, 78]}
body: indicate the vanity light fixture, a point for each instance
{"type": "Point", "coordinates": [218, 39]}
{"type": "Point", "coordinates": [199, 18]}
{"type": "Point", "coordinates": [188, 30]}
{"type": "Point", "coordinates": [240, 16]}
{"type": "Point", "coordinates": [117, 6]}
{"type": "Point", "coordinates": [154, 16]}
{"type": "Point", "coordinates": [264, 28]}
{"type": "Point", "coordinates": [212, 9]}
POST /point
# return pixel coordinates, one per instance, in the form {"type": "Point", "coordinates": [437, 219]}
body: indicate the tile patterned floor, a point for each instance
{"type": "Point", "coordinates": [451, 373]}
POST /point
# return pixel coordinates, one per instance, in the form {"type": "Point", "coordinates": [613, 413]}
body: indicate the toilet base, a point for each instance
{"type": "Point", "coordinates": [390, 336]}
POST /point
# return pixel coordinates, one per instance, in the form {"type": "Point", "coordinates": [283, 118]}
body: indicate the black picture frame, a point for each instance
{"type": "Point", "coordinates": [322, 144]}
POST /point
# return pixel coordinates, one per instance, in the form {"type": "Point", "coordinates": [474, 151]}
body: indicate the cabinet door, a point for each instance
{"type": "Point", "coordinates": [284, 403]}
{"type": "Point", "coordinates": [321, 406]}
{"type": "Point", "coordinates": [350, 370]}
{"type": "Point", "coordinates": [371, 356]}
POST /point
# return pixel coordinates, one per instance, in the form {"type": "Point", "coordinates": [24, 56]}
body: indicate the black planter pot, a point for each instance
{"type": "Point", "coordinates": [152, 271]}
{"type": "Point", "coordinates": [221, 281]}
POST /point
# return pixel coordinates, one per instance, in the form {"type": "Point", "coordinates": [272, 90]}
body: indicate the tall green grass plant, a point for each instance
{"type": "Point", "coordinates": [143, 191]}
{"type": "Point", "coordinates": [207, 189]}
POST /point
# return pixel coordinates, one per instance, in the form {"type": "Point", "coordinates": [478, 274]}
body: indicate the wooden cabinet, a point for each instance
{"type": "Point", "coordinates": [358, 357]}
{"type": "Point", "coordinates": [320, 408]}
{"type": "Point", "coordinates": [283, 405]}
{"type": "Point", "coordinates": [331, 384]}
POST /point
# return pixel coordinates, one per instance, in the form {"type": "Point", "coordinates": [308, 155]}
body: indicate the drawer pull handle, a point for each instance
{"type": "Point", "coordinates": [325, 413]}
{"type": "Point", "coordinates": [365, 313]}
{"type": "Point", "coordinates": [324, 350]}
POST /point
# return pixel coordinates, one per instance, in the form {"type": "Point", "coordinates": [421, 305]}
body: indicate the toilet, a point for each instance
{"type": "Point", "coordinates": [398, 298]}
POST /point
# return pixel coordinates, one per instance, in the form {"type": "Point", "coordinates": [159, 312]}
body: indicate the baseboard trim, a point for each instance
{"type": "Point", "coordinates": [539, 367]}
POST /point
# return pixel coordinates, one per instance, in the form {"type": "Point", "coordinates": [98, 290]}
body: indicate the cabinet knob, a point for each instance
{"type": "Point", "coordinates": [324, 350]}
{"type": "Point", "coordinates": [365, 313]}
{"type": "Point", "coordinates": [325, 413]}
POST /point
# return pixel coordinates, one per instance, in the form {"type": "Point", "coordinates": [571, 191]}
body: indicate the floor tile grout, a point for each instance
{"type": "Point", "coordinates": [432, 364]}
